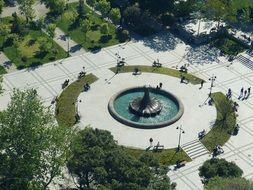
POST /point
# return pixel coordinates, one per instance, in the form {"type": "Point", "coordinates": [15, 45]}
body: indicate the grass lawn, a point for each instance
{"type": "Point", "coordinates": [93, 39]}
{"type": "Point", "coordinates": [2, 70]}
{"type": "Point", "coordinates": [165, 157]}
{"type": "Point", "coordinates": [27, 52]}
{"type": "Point", "coordinates": [160, 70]}
{"type": "Point", "coordinates": [65, 105]}
{"type": "Point", "coordinates": [228, 46]}
{"type": "Point", "coordinates": [224, 124]}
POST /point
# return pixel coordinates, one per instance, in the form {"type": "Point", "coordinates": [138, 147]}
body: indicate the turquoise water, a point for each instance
{"type": "Point", "coordinates": [169, 110]}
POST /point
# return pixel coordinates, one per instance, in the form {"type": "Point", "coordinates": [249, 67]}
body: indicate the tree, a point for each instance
{"type": "Point", "coordinates": [218, 183]}
{"type": "Point", "coordinates": [132, 15]}
{"type": "Point", "coordinates": [1, 6]}
{"type": "Point", "coordinates": [80, 9]}
{"type": "Point", "coordinates": [4, 31]}
{"type": "Point", "coordinates": [26, 9]}
{"type": "Point", "coordinates": [16, 42]}
{"type": "Point", "coordinates": [56, 6]}
{"type": "Point", "coordinates": [91, 3]}
{"type": "Point", "coordinates": [219, 167]}
{"type": "Point", "coordinates": [97, 162]}
{"type": "Point", "coordinates": [104, 29]}
{"type": "Point", "coordinates": [1, 87]}
{"type": "Point", "coordinates": [51, 30]}
{"type": "Point", "coordinates": [104, 7]}
{"type": "Point", "coordinates": [115, 15]}
{"type": "Point", "coordinates": [157, 7]}
{"type": "Point", "coordinates": [85, 26]}
{"type": "Point", "coordinates": [33, 149]}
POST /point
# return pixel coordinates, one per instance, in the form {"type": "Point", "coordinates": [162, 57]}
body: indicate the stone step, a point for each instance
{"type": "Point", "coordinates": [189, 143]}
{"type": "Point", "coordinates": [194, 149]}
{"type": "Point", "coordinates": [245, 61]}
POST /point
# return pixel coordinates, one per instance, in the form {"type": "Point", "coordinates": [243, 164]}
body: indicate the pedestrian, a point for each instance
{"type": "Point", "coordinates": [151, 141]}
{"type": "Point", "coordinates": [201, 84]}
{"type": "Point", "coordinates": [241, 93]}
{"type": "Point", "coordinates": [160, 85]}
{"type": "Point", "coordinates": [229, 94]}
{"type": "Point", "coordinates": [249, 91]}
{"type": "Point", "coordinates": [245, 94]}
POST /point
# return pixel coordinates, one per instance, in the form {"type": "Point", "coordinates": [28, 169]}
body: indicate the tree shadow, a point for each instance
{"type": "Point", "coordinates": [7, 64]}
{"type": "Point", "coordinates": [204, 54]}
{"type": "Point", "coordinates": [162, 42]}
{"type": "Point", "coordinates": [75, 48]}
{"type": "Point", "coordinates": [95, 49]}
{"type": "Point", "coordinates": [105, 38]}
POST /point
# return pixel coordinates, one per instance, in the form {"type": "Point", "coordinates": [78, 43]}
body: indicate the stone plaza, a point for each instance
{"type": "Point", "coordinates": [203, 62]}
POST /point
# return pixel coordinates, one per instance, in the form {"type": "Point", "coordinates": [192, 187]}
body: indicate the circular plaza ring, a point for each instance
{"type": "Point", "coordinates": [171, 111]}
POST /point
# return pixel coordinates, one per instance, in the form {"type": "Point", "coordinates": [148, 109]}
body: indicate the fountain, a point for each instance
{"type": "Point", "coordinates": [145, 107]}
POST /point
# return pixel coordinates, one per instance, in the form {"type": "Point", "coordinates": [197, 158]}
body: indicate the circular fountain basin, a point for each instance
{"type": "Point", "coordinates": [172, 108]}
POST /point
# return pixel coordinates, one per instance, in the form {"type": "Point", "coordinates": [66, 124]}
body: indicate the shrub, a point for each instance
{"type": "Point", "coordinates": [24, 58]}
{"type": "Point", "coordinates": [168, 19]}
{"type": "Point", "coordinates": [123, 35]}
{"type": "Point", "coordinates": [219, 167]}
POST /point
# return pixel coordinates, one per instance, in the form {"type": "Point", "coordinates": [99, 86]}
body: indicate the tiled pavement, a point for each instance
{"type": "Point", "coordinates": [203, 62]}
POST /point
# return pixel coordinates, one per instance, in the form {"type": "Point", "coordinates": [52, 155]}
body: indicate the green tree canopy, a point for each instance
{"type": "Point", "coordinates": [1, 5]}
{"type": "Point", "coordinates": [51, 30]}
{"type": "Point", "coordinates": [156, 7]}
{"type": "Point", "coordinates": [32, 148]}
{"type": "Point", "coordinates": [85, 26]}
{"type": "Point", "coordinates": [132, 15]}
{"type": "Point", "coordinates": [91, 3]}
{"type": "Point", "coordinates": [115, 15]}
{"type": "Point", "coordinates": [80, 9]}
{"type": "Point", "coordinates": [104, 29]}
{"type": "Point", "coordinates": [218, 183]}
{"type": "Point", "coordinates": [56, 6]}
{"type": "Point", "coordinates": [26, 9]}
{"type": "Point", "coordinates": [104, 7]}
{"type": "Point", "coordinates": [97, 162]}
{"type": "Point", "coordinates": [219, 167]}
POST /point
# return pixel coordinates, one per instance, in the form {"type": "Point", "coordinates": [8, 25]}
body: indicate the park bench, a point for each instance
{"type": "Point", "coordinates": [180, 164]}
{"type": "Point", "coordinates": [81, 74]}
{"type": "Point", "coordinates": [158, 148]}
{"type": "Point", "coordinates": [183, 69]}
{"type": "Point", "coordinates": [156, 64]}
{"type": "Point", "coordinates": [136, 71]}
{"type": "Point", "coordinates": [66, 83]}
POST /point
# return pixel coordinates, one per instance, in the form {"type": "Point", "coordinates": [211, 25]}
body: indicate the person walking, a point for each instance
{"type": "Point", "coordinates": [245, 94]}
{"type": "Point", "coordinates": [151, 141]}
{"type": "Point", "coordinates": [249, 91]}
{"type": "Point", "coordinates": [241, 93]}
{"type": "Point", "coordinates": [201, 84]}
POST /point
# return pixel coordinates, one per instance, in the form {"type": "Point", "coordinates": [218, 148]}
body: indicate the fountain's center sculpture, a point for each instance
{"type": "Point", "coordinates": [145, 105]}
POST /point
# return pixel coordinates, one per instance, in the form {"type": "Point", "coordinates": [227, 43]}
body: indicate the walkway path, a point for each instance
{"type": "Point", "coordinates": [67, 43]}
{"type": "Point", "coordinates": [6, 63]}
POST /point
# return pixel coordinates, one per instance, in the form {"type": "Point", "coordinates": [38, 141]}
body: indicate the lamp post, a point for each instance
{"type": "Point", "coordinates": [179, 138]}
{"type": "Point", "coordinates": [212, 79]}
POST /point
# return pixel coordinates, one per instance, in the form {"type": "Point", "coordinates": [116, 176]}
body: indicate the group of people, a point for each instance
{"type": "Point", "coordinates": [157, 63]}
{"type": "Point", "coordinates": [159, 86]}
{"type": "Point", "coordinates": [244, 93]}
{"type": "Point", "coordinates": [86, 87]}
{"type": "Point", "coordinates": [184, 80]}
{"type": "Point", "coordinates": [66, 83]}
{"type": "Point", "coordinates": [217, 150]}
